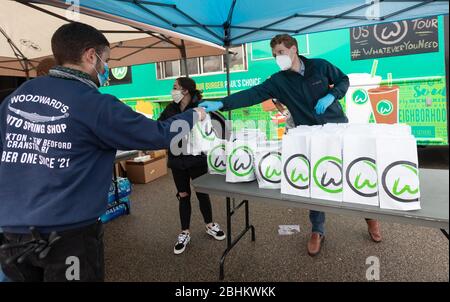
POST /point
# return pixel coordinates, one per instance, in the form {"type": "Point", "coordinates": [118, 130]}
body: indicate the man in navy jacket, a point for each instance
{"type": "Point", "coordinates": [58, 140]}
{"type": "Point", "coordinates": [311, 90]}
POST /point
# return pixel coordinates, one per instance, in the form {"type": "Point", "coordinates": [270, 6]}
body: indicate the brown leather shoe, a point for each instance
{"type": "Point", "coordinates": [374, 230]}
{"type": "Point", "coordinates": [315, 244]}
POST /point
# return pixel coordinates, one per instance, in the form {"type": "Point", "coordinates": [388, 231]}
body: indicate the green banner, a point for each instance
{"type": "Point", "coordinates": [384, 89]}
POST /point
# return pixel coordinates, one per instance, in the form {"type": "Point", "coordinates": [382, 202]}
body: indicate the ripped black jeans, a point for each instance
{"type": "Point", "coordinates": [182, 178]}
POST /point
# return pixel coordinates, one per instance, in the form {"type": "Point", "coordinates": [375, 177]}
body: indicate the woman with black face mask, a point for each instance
{"type": "Point", "coordinates": [186, 167]}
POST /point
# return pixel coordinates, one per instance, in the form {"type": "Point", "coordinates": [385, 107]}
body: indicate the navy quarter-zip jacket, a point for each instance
{"type": "Point", "coordinates": [299, 93]}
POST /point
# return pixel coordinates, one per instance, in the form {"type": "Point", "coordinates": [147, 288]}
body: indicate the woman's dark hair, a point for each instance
{"type": "Point", "coordinates": [71, 40]}
{"type": "Point", "coordinates": [191, 87]}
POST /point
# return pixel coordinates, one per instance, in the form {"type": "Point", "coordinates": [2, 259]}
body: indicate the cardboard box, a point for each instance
{"type": "Point", "coordinates": [158, 153]}
{"type": "Point", "coordinates": [145, 172]}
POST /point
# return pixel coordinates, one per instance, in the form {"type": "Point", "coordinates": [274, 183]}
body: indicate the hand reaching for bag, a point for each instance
{"type": "Point", "coordinates": [211, 105]}
{"type": "Point", "coordinates": [201, 113]}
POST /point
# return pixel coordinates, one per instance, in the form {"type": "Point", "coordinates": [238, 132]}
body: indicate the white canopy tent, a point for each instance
{"type": "Point", "coordinates": [26, 30]}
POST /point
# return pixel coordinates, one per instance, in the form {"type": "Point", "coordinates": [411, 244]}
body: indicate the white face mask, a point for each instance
{"type": "Point", "coordinates": [177, 95]}
{"type": "Point", "coordinates": [284, 62]}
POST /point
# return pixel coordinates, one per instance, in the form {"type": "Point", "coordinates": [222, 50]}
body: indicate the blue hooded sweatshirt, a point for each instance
{"type": "Point", "coordinates": [58, 140]}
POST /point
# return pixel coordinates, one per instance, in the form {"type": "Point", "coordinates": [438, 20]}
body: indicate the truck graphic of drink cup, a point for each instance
{"type": "Point", "coordinates": [384, 101]}
{"type": "Point", "coordinates": [358, 107]}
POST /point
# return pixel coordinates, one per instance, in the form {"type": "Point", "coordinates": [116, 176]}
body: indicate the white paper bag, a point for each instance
{"type": "Point", "coordinates": [296, 165]}
{"type": "Point", "coordinates": [333, 127]}
{"type": "Point", "coordinates": [240, 160]}
{"type": "Point", "coordinates": [191, 149]}
{"type": "Point", "coordinates": [216, 157]}
{"type": "Point", "coordinates": [202, 137]}
{"type": "Point", "coordinates": [361, 129]}
{"type": "Point", "coordinates": [326, 166]}
{"type": "Point", "coordinates": [268, 165]}
{"type": "Point", "coordinates": [398, 173]}
{"type": "Point", "coordinates": [360, 171]}
{"type": "Point", "coordinates": [247, 134]}
{"type": "Point", "coordinates": [305, 129]}
{"type": "Point", "coordinates": [392, 129]}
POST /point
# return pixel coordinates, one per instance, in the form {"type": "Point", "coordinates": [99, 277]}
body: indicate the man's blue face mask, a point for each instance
{"type": "Point", "coordinates": [103, 78]}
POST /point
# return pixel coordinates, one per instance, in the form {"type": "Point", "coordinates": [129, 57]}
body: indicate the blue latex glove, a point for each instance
{"type": "Point", "coordinates": [324, 103]}
{"type": "Point", "coordinates": [211, 105]}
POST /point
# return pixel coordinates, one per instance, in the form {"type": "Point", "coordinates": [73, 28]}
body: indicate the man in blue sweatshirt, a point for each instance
{"type": "Point", "coordinates": [311, 90]}
{"type": "Point", "coordinates": [58, 140]}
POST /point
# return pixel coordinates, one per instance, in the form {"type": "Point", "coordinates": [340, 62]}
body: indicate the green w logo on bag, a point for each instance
{"type": "Point", "coordinates": [240, 161]}
{"type": "Point", "coordinates": [216, 159]}
{"type": "Point", "coordinates": [327, 174]}
{"type": "Point", "coordinates": [296, 171]}
{"type": "Point", "coordinates": [401, 181]}
{"type": "Point", "coordinates": [269, 167]}
{"type": "Point", "coordinates": [206, 131]}
{"type": "Point", "coordinates": [294, 177]}
{"type": "Point", "coordinates": [361, 176]}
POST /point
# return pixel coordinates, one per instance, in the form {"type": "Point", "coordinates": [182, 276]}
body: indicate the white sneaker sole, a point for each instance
{"type": "Point", "coordinates": [219, 238]}
{"type": "Point", "coordinates": [178, 252]}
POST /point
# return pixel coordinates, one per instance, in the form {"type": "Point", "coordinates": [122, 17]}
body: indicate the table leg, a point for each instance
{"type": "Point", "coordinates": [247, 221]}
{"type": "Point", "coordinates": [230, 242]}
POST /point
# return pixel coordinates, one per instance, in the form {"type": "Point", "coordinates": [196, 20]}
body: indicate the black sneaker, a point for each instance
{"type": "Point", "coordinates": [215, 231]}
{"type": "Point", "coordinates": [182, 242]}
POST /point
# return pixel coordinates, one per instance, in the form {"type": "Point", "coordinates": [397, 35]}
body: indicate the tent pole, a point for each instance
{"type": "Point", "coordinates": [19, 55]}
{"type": "Point", "coordinates": [27, 70]}
{"type": "Point", "coordinates": [227, 69]}
{"type": "Point", "coordinates": [184, 58]}
{"type": "Point", "coordinates": [227, 43]}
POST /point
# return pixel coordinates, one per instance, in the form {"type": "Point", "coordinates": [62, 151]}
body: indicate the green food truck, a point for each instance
{"type": "Point", "coordinates": [397, 74]}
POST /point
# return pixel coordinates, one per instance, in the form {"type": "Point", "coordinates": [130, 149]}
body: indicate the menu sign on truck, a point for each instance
{"type": "Point", "coordinates": [400, 38]}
